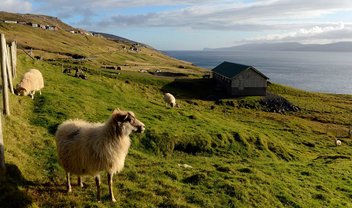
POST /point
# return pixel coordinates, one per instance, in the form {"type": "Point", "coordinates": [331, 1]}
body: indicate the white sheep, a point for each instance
{"type": "Point", "coordinates": [32, 81]}
{"type": "Point", "coordinates": [87, 148]}
{"type": "Point", "coordinates": [170, 99]}
{"type": "Point", "coordinates": [337, 142]}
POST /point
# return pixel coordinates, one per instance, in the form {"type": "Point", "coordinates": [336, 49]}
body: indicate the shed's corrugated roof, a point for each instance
{"type": "Point", "coordinates": [231, 70]}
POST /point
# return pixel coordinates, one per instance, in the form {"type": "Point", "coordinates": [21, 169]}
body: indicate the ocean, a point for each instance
{"type": "Point", "coordinates": [328, 72]}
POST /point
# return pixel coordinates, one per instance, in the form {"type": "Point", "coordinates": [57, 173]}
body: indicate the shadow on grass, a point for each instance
{"type": "Point", "coordinates": [11, 194]}
{"type": "Point", "coordinates": [202, 89]}
{"type": "Point", "coordinates": [14, 190]}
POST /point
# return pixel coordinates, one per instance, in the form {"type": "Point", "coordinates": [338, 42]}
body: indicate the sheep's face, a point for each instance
{"type": "Point", "coordinates": [21, 91]}
{"type": "Point", "coordinates": [127, 120]}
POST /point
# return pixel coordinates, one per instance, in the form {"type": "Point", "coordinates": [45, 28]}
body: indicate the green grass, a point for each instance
{"type": "Point", "coordinates": [240, 157]}
{"type": "Point", "coordinates": [61, 44]}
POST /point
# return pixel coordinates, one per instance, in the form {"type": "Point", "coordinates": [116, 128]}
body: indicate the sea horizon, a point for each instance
{"type": "Point", "coordinates": [326, 72]}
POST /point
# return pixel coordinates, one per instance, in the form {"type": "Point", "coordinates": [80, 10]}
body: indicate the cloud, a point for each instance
{"type": "Point", "coordinates": [206, 14]}
{"type": "Point", "coordinates": [316, 34]}
{"type": "Point", "coordinates": [16, 6]}
{"type": "Point", "coordinates": [226, 15]}
{"type": "Point", "coordinates": [287, 19]}
{"type": "Point", "coordinates": [121, 3]}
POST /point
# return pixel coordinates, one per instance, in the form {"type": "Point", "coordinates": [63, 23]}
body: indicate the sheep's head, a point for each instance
{"type": "Point", "coordinates": [21, 91]}
{"type": "Point", "coordinates": [126, 120]}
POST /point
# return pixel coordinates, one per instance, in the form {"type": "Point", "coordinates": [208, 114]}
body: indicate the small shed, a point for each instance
{"type": "Point", "coordinates": [33, 24]}
{"type": "Point", "coordinates": [240, 80]}
{"type": "Point", "coordinates": [42, 26]}
{"type": "Point", "coordinates": [49, 27]}
{"type": "Point", "coordinates": [10, 21]}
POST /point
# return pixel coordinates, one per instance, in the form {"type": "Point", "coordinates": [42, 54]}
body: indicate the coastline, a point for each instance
{"type": "Point", "coordinates": [324, 72]}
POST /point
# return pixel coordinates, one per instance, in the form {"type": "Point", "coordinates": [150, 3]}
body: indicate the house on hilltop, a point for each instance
{"type": "Point", "coordinates": [10, 21]}
{"type": "Point", "coordinates": [33, 24]}
{"type": "Point", "coordinates": [240, 80]}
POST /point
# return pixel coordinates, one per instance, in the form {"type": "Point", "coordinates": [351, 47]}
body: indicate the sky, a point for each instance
{"type": "Point", "coordinates": [198, 24]}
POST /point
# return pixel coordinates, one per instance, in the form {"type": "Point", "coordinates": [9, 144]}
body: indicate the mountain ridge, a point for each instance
{"type": "Point", "coordinates": [289, 46]}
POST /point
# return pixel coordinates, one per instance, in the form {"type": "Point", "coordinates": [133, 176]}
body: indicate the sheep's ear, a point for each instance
{"type": "Point", "coordinates": [120, 116]}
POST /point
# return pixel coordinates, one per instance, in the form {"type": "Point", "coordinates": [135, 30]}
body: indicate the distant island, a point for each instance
{"type": "Point", "coordinates": [289, 46]}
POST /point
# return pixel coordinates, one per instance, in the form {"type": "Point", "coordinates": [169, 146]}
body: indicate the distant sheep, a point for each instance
{"type": "Point", "coordinates": [170, 99]}
{"type": "Point", "coordinates": [79, 74]}
{"type": "Point", "coordinates": [337, 142]}
{"type": "Point", "coordinates": [88, 148]}
{"type": "Point", "coordinates": [32, 81]}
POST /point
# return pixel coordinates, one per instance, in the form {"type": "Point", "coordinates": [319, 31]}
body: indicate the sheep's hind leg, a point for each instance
{"type": "Point", "coordinates": [110, 175]}
{"type": "Point", "coordinates": [79, 181]}
{"type": "Point", "coordinates": [97, 183]}
{"type": "Point", "coordinates": [68, 182]}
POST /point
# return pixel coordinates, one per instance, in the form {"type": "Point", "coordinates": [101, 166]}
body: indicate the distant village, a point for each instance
{"type": "Point", "coordinates": [49, 27]}
{"type": "Point", "coordinates": [134, 47]}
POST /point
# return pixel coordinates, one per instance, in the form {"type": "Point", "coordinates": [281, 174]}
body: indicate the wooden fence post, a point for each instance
{"type": "Point", "coordinates": [2, 152]}
{"type": "Point", "coordinates": [3, 68]}
{"type": "Point", "coordinates": [5, 91]}
{"type": "Point", "coordinates": [13, 53]}
{"type": "Point", "coordinates": [9, 68]}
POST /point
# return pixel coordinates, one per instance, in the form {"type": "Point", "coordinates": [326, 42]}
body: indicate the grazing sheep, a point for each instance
{"type": "Point", "coordinates": [32, 81]}
{"type": "Point", "coordinates": [184, 166]}
{"type": "Point", "coordinates": [337, 142]}
{"type": "Point", "coordinates": [87, 148]}
{"type": "Point", "coordinates": [170, 99]}
{"type": "Point", "coordinates": [79, 74]}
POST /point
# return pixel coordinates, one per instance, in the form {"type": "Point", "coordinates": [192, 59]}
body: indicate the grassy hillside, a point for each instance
{"type": "Point", "coordinates": [93, 52]}
{"type": "Point", "coordinates": [38, 19]}
{"type": "Point", "coordinates": [242, 155]}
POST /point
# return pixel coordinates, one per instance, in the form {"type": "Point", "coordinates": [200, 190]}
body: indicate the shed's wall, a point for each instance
{"type": "Point", "coordinates": [248, 78]}
{"type": "Point", "coordinates": [247, 83]}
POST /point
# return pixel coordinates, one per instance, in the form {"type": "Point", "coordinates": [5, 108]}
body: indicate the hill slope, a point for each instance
{"type": "Point", "coordinates": [242, 155]}
{"type": "Point", "coordinates": [96, 52]}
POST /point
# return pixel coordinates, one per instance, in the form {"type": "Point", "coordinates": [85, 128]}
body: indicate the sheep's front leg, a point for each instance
{"type": "Point", "coordinates": [32, 93]}
{"type": "Point", "coordinates": [97, 183]}
{"type": "Point", "coordinates": [68, 182]}
{"type": "Point", "coordinates": [80, 182]}
{"type": "Point", "coordinates": [110, 175]}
